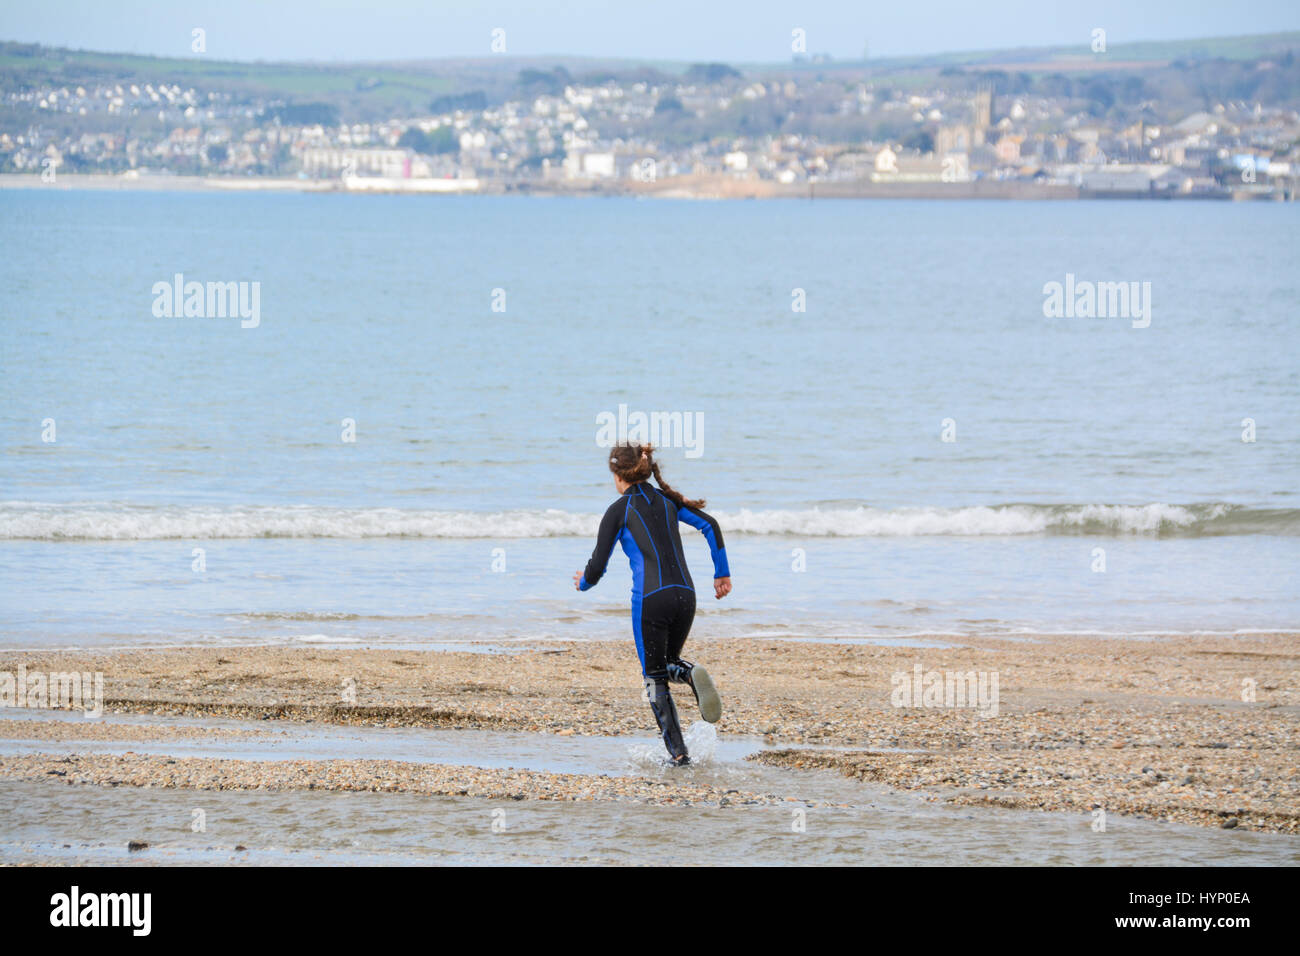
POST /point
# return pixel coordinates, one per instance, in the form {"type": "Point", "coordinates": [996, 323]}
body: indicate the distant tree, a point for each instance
{"type": "Point", "coordinates": [474, 101]}
{"type": "Point", "coordinates": [537, 82]}
{"type": "Point", "coordinates": [1100, 96]}
{"type": "Point", "coordinates": [1055, 86]}
{"type": "Point", "coordinates": [642, 74]}
{"type": "Point", "coordinates": [416, 139]}
{"type": "Point", "coordinates": [217, 154]}
{"type": "Point", "coordinates": [710, 73]}
{"type": "Point", "coordinates": [1132, 90]}
{"type": "Point", "coordinates": [668, 105]}
{"type": "Point", "coordinates": [921, 140]}
{"type": "Point", "coordinates": [304, 114]}
{"type": "Point", "coordinates": [535, 161]}
{"type": "Point", "coordinates": [443, 140]}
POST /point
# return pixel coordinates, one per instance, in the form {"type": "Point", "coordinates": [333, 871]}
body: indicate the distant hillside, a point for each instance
{"type": "Point", "coordinates": [383, 88]}
{"type": "Point", "coordinates": [1188, 74]}
{"type": "Point", "coordinates": [1080, 55]}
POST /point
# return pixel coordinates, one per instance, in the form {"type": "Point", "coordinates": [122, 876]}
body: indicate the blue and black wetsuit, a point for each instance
{"type": "Point", "coordinates": [644, 520]}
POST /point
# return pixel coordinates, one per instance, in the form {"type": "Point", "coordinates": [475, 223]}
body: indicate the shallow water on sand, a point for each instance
{"type": "Point", "coordinates": [868, 824]}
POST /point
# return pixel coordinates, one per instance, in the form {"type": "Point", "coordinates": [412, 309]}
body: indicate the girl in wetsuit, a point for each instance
{"type": "Point", "coordinates": [644, 520]}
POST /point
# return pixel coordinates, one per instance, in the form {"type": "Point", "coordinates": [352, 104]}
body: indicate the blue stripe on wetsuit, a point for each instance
{"type": "Point", "coordinates": [637, 560]}
{"type": "Point", "coordinates": [652, 543]}
{"type": "Point", "coordinates": [712, 534]}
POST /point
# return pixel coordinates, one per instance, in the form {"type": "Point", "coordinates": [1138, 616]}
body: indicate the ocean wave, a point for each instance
{"type": "Point", "coordinates": [37, 521]}
{"type": "Point", "coordinates": [136, 523]}
{"type": "Point", "coordinates": [1008, 520]}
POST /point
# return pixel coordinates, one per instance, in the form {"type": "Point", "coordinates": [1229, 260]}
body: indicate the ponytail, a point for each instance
{"type": "Point", "coordinates": [634, 463]}
{"type": "Point", "coordinates": [677, 497]}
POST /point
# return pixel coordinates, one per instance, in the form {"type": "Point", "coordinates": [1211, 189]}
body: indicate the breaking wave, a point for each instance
{"type": "Point", "coordinates": [35, 521]}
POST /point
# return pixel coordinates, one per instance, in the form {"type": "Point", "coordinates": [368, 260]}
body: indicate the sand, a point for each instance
{"type": "Point", "coordinates": [1149, 726]}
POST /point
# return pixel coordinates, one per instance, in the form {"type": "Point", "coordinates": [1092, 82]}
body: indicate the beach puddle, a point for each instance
{"type": "Point", "coordinates": [490, 749]}
{"type": "Point", "coordinates": [819, 817]}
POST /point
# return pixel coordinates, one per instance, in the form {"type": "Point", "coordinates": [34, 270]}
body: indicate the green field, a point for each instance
{"type": "Point", "coordinates": [373, 91]}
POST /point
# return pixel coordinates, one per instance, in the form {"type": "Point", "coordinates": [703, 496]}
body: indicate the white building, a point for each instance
{"type": "Point", "coordinates": [736, 162]}
{"type": "Point", "coordinates": [388, 163]}
{"type": "Point", "coordinates": [593, 165]}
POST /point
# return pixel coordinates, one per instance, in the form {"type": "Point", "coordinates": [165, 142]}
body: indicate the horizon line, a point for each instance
{"type": "Point", "coordinates": [651, 60]}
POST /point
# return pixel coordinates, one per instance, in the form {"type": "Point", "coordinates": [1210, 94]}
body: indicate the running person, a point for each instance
{"type": "Point", "coordinates": [644, 520]}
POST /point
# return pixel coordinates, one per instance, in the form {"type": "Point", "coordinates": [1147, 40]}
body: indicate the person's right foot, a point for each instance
{"type": "Point", "coordinates": [665, 711]}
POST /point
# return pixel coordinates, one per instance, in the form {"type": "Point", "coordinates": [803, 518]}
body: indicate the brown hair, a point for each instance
{"type": "Point", "coordinates": [633, 463]}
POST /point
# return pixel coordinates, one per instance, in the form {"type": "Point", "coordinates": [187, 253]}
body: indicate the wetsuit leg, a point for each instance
{"type": "Point", "coordinates": [681, 671]}
{"type": "Point", "coordinates": [678, 670]}
{"type": "Point", "coordinates": [681, 626]}
{"type": "Point", "coordinates": [665, 711]}
{"type": "Point", "coordinates": [662, 629]}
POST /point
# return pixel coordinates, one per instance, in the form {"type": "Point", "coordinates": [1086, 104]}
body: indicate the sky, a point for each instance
{"type": "Point", "coordinates": [689, 30]}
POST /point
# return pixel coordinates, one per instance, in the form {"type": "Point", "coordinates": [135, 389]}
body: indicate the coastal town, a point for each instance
{"type": "Point", "coordinates": [711, 130]}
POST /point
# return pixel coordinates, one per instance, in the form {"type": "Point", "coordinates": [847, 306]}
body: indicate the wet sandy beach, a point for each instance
{"type": "Point", "coordinates": [1150, 729]}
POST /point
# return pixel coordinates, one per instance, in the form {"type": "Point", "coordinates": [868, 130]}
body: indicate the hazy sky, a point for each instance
{"type": "Point", "coordinates": [752, 30]}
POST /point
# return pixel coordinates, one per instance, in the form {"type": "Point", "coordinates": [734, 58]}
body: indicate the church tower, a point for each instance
{"type": "Point", "coordinates": [983, 112]}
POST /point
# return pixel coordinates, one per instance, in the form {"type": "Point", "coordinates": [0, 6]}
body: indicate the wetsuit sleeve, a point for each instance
{"type": "Point", "coordinates": [708, 526]}
{"type": "Point", "coordinates": [610, 527]}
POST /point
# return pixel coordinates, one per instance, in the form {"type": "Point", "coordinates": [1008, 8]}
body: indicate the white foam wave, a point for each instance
{"type": "Point", "coordinates": [129, 523]}
{"type": "Point", "coordinates": [976, 520]}
{"type": "Point", "coordinates": [33, 521]}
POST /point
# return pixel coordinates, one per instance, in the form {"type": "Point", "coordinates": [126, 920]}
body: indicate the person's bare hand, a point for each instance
{"type": "Point", "coordinates": [721, 587]}
{"type": "Point", "coordinates": [577, 580]}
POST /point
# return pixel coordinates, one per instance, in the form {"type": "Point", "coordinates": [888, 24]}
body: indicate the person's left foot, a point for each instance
{"type": "Point", "coordinates": [699, 681]}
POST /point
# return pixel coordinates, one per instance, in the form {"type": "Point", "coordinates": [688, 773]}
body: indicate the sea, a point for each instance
{"type": "Point", "coordinates": [396, 432]}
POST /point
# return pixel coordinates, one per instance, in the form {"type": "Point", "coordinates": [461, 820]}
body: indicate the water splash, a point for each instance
{"type": "Point", "coordinates": [701, 740]}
